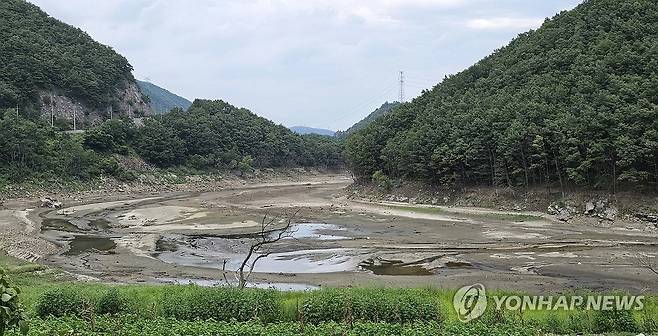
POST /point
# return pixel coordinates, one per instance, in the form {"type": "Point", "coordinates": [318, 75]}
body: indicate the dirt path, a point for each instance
{"type": "Point", "coordinates": [188, 236]}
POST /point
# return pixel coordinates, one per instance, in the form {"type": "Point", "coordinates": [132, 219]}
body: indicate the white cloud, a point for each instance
{"type": "Point", "coordinates": [372, 12]}
{"type": "Point", "coordinates": [504, 23]}
{"type": "Point", "coordinates": [308, 62]}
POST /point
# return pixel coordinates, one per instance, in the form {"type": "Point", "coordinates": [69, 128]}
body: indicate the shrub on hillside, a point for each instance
{"type": "Point", "coordinates": [383, 182]}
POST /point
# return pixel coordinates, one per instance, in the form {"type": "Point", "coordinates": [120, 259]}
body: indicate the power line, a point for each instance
{"type": "Point", "coordinates": [401, 86]}
{"type": "Point", "coordinates": [402, 83]}
{"type": "Point", "coordinates": [382, 95]}
{"type": "Point", "coordinates": [368, 106]}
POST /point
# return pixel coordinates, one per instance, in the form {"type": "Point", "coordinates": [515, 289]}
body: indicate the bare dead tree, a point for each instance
{"type": "Point", "coordinates": [645, 262]}
{"type": "Point", "coordinates": [269, 233]}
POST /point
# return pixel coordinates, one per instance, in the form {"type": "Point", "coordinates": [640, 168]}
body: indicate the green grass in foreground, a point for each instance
{"type": "Point", "coordinates": [192, 310]}
{"type": "Point", "coordinates": [130, 325]}
{"type": "Point", "coordinates": [493, 216]}
{"type": "Point", "coordinates": [58, 307]}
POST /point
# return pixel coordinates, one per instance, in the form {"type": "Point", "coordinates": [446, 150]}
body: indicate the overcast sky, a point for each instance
{"type": "Point", "coordinates": [319, 63]}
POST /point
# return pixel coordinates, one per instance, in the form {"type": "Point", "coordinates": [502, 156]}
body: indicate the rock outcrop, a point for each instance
{"type": "Point", "coordinates": [128, 102]}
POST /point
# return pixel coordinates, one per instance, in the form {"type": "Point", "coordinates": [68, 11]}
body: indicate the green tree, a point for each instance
{"type": "Point", "coordinates": [573, 103]}
{"type": "Point", "coordinates": [245, 165]}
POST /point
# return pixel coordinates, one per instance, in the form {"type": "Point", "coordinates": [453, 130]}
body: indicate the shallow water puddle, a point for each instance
{"type": "Point", "coordinates": [65, 225]}
{"type": "Point", "coordinates": [58, 224]}
{"type": "Point", "coordinates": [303, 261]}
{"type": "Point", "coordinates": [281, 286]}
{"type": "Point", "coordinates": [100, 224]}
{"type": "Point", "coordinates": [312, 231]}
{"type": "Point", "coordinates": [394, 267]}
{"type": "Point", "coordinates": [82, 243]}
{"type": "Point", "coordinates": [317, 231]}
{"type": "Point", "coordinates": [213, 251]}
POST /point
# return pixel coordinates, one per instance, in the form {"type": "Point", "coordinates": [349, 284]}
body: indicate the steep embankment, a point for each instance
{"type": "Point", "coordinates": [47, 66]}
{"type": "Point", "coordinates": [574, 103]}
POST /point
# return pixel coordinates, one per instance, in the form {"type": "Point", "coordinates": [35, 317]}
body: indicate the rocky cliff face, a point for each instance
{"type": "Point", "coordinates": [128, 102]}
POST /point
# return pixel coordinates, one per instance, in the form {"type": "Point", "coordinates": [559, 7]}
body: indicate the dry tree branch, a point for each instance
{"type": "Point", "coordinates": [644, 262]}
{"type": "Point", "coordinates": [265, 237]}
{"type": "Point", "coordinates": [224, 272]}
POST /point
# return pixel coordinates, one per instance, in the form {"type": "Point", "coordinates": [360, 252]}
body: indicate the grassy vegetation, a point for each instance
{"type": "Point", "coordinates": [491, 216]}
{"type": "Point", "coordinates": [130, 325]}
{"type": "Point", "coordinates": [57, 306]}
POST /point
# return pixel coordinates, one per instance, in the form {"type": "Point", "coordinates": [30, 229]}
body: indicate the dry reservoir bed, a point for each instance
{"type": "Point", "coordinates": [192, 237]}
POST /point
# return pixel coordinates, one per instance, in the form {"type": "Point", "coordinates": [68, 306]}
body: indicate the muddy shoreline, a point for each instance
{"type": "Point", "coordinates": [185, 236]}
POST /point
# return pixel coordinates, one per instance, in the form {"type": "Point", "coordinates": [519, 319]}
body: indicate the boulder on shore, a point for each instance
{"type": "Point", "coordinates": [52, 203]}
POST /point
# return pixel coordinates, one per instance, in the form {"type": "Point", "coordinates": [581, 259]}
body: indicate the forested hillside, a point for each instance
{"type": "Point", "coordinates": [217, 135]}
{"type": "Point", "coordinates": [161, 100]}
{"type": "Point", "coordinates": [572, 103]}
{"type": "Point", "coordinates": [32, 150]}
{"type": "Point", "coordinates": [44, 61]}
{"type": "Point", "coordinates": [211, 136]}
{"type": "Point", "coordinates": [382, 110]}
{"type": "Point", "coordinates": [50, 68]}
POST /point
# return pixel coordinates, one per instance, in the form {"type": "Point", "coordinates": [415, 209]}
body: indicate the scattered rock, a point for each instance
{"type": "Point", "coordinates": [589, 208]}
{"type": "Point", "coordinates": [562, 211]}
{"type": "Point", "coordinates": [52, 203]}
{"type": "Point", "coordinates": [647, 217]}
{"type": "Point", "coordinates": [610, 213]}
{"type": "Point", "coordinates": [395, 198]}
{"type": "Point", "coordinates": [601, 209]}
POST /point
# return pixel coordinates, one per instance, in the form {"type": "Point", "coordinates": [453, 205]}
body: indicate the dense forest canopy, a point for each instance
{"type": "Point", "coordinates": [217, 135]}
{"type": "Point", "coordinates": [32, 150]}
{"type": "Point", "coordinates": [374, 115]}
{"type": "Point", "coordinates": [574, 103]}
{"type": "Point", "coordinates": [212, 136]}
{"type": "Point", "coordinates": [38, 52]}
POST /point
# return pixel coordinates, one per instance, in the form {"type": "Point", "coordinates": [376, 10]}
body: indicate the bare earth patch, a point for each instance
{"type": "Point", "coordinates": [343, 242]}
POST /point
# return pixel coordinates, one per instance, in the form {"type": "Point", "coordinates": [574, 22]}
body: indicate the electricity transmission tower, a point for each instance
{"type": "Point", "coordinates": [402, 87]}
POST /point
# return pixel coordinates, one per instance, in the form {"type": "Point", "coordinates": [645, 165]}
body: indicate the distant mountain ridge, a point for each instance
{"type": "Point", "coordinates": [162, 100]}
{"type": "Point", "coordinates": [312, 130]}
{"type": "Point", "coordinates": [382, 110]}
